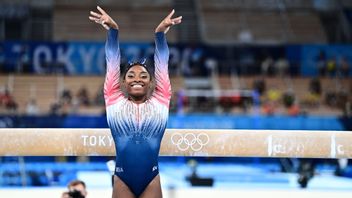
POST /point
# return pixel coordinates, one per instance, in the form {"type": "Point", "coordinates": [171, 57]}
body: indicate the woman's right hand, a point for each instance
{"type": "Point", "coordinates": [103, 19]}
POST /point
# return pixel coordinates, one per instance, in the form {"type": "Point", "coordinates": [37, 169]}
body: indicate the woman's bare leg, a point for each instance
{"type": "Point", "coordinates": [153, 189]}
{"type": "Point", "coordinates": [120, 189]}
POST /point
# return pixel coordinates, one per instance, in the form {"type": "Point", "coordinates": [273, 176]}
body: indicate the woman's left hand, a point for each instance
{"type": "Point", "coordinates": [165, 24]}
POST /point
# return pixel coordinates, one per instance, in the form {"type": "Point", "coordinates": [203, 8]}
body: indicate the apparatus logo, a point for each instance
{"type": "Point", "coordinates": [190, 141]}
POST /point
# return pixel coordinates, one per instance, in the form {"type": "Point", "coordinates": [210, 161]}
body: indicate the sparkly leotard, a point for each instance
{"type": "Point", "coordinates": [137, 129]}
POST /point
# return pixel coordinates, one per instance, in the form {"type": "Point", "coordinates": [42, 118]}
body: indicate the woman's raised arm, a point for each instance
{"type": "Point", "coordinates": [161, 58]}
{"type": "Point", "coordinates": [112, 91]}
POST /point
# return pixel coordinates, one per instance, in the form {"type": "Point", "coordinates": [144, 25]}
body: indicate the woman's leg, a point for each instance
{"type": "Point", "coordinates": [153, 189]}
{"type": "Point", "coordinates": [120, 189]}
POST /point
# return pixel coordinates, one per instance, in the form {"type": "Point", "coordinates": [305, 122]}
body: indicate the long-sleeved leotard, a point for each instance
{"type": "Point", "coordinates": [137, 129]}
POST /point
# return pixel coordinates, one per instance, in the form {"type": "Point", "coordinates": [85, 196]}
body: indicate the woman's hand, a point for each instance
{"type": "Point", "coordinates": [103, 19]}
{"type": "Point", "coordinates": [165, 24]}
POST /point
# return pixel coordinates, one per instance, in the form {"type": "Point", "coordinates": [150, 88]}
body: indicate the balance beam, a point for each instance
{"type": "Point", "coordinates": [181, 142]}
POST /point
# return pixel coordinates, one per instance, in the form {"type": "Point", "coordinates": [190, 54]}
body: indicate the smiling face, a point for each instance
{"type": "Point", "coordinates": [137, 81]}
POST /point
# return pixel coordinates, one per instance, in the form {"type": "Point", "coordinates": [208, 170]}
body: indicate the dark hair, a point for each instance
{"type": "Point", "coordinates": [75, 194]}
{"type": "Point", "coordinates": [141, 62]}
{"type": "Point", "coordinates": [75, 183]}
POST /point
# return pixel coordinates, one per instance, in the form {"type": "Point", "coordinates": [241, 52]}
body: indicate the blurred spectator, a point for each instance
{"type": "Point", "coordinates": [282, 66]}
{"type": "Point", "coordinates": [291, 106]}
{"type": "Point", "coordinates": [259, 86]}
{"type": "Point", "coordinates": [32, 107]}
{"type": "Point", "coordinates": [347, 112]}
{"type": "Point", "coordinates": [23, 64]}
{"type": "Point", "coordinates": [65, 105]}
{"type": "Point", "coordinates": [229, 102]}
{"type": "Point", "coordinates": [293, 110]}
{"type": "Point", "coordinates": [99, 97]}
{"type": "Point", "coordinates": [75, 105]}
{"type": "Point", "coordinates": [55, 108]}
{"type": "Point", "coordinates": [315, 86]}
{"type": "Point", "coordinates": [331, 67]}
{"type": "Point", "coordinates": [173, 102]}
{"type": "Point", "coordinates": [288, 99]}
{"type": "Point", "coordinates": [244, 101]}
{"type": "Point", "coordinates": [267, 66]}
{"type": "Point", "coordinates": [3, 90]}
{"type": "Point", "coordinates": [83, 96]}
{"type": "Point", "coordinates": [274, 94]}
{"type": "Point", "coordinates": [211, 64]}
{"type": "Point", "coordinates": [271, 103]}
{"type": "Point", "coordinates": [66, 96]}
{"type": "Point", "coordinates": [342, 99]}
{"type": "Point", "coordinates": [205, 104]}
{"type": "Point", "coordinates": [338, 99]}
{"type": "Point", "coordinates": [344, 68]}
{"type": "Point", "coordinates": [312, 98]}
{"type": "Point", "coordinates": [321, 63]}
{"type": "Point", "coordinates": [8, 101]}
{"type": "Point", "coordinates": [268, 107]}
{"type": "Point", "coordinates": [76, 189]}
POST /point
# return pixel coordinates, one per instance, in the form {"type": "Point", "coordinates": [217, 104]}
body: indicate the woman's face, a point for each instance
{"type": "Point", "coordinates": [137, 82]}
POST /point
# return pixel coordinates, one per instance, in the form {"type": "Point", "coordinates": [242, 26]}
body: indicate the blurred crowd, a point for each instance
{"type": "Point", "coordinates": [271, 100]}
{"type": "Point", "coordinates": [71, 103]}
{"type": "Point", "coordinates": [261, 99]}
{"type": "Point", "coordinates": [7, 101]}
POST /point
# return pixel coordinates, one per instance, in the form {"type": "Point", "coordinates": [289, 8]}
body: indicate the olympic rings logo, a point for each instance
{"type": "Point", "coordinates": [190, 140]}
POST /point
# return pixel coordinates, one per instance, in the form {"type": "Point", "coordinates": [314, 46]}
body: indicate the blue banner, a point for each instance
{"type": "Point", "coordinates": [189, 121]}
{"type": "Point", "coordinates": [66, 57]}
{"type": "Point", "coordinates": [88, 58]}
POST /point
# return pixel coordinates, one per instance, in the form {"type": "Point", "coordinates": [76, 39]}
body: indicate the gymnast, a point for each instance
{"type": "Point", "coordinates": [137, 107]}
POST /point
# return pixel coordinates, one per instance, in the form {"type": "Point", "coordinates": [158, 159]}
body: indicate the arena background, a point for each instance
{"type": "Point", "coordinates": [234, 64]}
